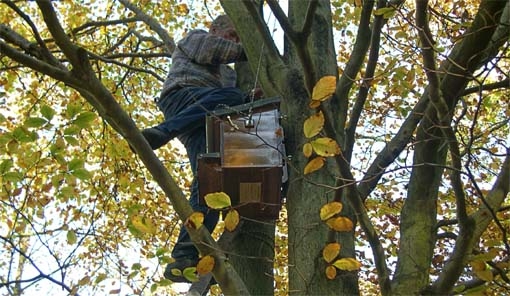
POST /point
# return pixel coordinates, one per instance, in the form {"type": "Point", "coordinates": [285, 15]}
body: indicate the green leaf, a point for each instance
{"type": "Point", "coordinates": [84, 119]}
{"type": "Point", "coordinates": [47, 112]}
{"type": "Point", "coordinates": [165, 282]}
{"type": "Point", "coordinates": [73, 109]}
{"type": "Point", "coordinates": [71, 140]}
{"type": "Point", "coordinates": [166, 259]}
{"type": "Point", "coordinates": [82, 174]}
{"type": "Point", "coordinates": [74, 164]}
{"type": "Point", "coordinates": [386, 12]}
{"type": "Point", "coordinates": [13, 176]}
{"type": "Point", "coordinates": [217, 200]}
{"type": "Point", "coordinates": [35, 122]}
{"type": "Point", "coordinates": [71, 237]}
{"type": "Point", "coordinates": [161, 251]}
{"type": "Point", "coordinates": [67, 191]}
{"type": "Point", "coordinates": [190, 273]}
{"type": "Point", "coordinates": [23, 135]}
{"type": "Point", "coordinates": [5, 166]}
{"type": "Point", "coordinates": [72, 130]}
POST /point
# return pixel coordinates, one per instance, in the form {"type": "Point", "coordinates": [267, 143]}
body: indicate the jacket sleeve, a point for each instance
{"type": "Point", "coordinates": [204, 48]}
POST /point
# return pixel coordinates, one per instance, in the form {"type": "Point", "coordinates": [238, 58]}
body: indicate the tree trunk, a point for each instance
{"type": "Point", "coordinates": [418, 225]}
{"type": "Point", "coordinates": [308, 235]}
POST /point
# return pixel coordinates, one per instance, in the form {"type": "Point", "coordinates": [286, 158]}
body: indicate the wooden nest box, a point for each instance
{"type": "Point", "coordinates": [244, 158]}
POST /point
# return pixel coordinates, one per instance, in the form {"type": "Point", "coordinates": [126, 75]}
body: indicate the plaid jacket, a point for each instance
{"type": "Point", "coordinates": [200, 60]}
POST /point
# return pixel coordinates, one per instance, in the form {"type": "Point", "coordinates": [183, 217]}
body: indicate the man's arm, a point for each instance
{"type": "Point", "coordinates": [208, 49]}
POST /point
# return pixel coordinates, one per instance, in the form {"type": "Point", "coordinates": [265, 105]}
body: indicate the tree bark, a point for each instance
{"type": "Point", "coordinates": [418, 224]}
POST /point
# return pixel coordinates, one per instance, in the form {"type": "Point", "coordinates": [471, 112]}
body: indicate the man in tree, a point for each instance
{"type": "Point", "coordinates": [199, 80]}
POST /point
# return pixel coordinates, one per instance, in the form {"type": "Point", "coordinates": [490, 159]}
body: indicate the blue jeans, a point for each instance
{"type": "Point", "coordinates": [185, 110]}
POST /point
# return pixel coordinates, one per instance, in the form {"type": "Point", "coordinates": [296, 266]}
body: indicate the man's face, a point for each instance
{"type": "Point", "coordinates": [227, 33]}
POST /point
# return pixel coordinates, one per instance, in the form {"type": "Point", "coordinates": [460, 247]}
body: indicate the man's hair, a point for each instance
{"type": "Point", "coordinates": [222, 22]}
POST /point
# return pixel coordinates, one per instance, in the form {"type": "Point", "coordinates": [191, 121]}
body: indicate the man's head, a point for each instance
{"type": "Point", "coordinates": [223, 27]}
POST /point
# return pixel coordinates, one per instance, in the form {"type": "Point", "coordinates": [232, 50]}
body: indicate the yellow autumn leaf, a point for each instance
{"type": "Point", "coordinates": [84, 281]}
{"type": "Point", "coordinates": [330, 209]}
{"type": "Point", "coordinates": [477, 265]}
{"type": "Point", "coordinates": [331, 272]}
{"type": "Point", "coordinates": [217, 200]}
{"type": "Point", "coordinates": [314, 104]}
{"type": "Point", "coordinates": [325, 147]}
{"type": "Point", "coordinates": [330, 252]}
{"type": "Point", "coordinates": [143, 224]}
{"type": "Point", "coordinates": [313, 165]}
{"type": "Point", "coordinates": [195, 220]}
{"type": "Point", "coordinates": [313, 125]}
{"type": "Point", "coordinates": [307, 150]}
{"type": "Point", "coordinates": [231, 220]}
{"type": "Point", "coordinates": [205, 265]}
{"type": "Point", "coordinates": [340, 224]}
{"type": "Point", "coordinates": [484, 275]}
{"type": "Point", "coordinates": [348, 264]}
{"type": "Point", "coordinates": [324, 88]}
{"type": "Point", "coordinates": [182, 9]}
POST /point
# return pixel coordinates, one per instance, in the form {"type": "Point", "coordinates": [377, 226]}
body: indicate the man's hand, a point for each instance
{"type": "Point", "coordinates": [256, 93]}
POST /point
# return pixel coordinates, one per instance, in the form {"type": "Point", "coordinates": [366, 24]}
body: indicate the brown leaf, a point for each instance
{"type": "Point", "coordinates": [231, 220]}
{"type": "Point", "coordinates": [314, 165]}
{"type": "Point", "coordinates": [307, 150]}
{"type": "Point", "coordinates": [330, 209]}
{"type": "Point", "coordinates": [330, 252]}
{"type": "Point", "coordinates": [205, 265]}
{"type": "Point", "coordinates": [195, 220]}
{"type": "Point", "coordinates": [340, 224]}
{"type": "Point", "coordinates": [331, 272]}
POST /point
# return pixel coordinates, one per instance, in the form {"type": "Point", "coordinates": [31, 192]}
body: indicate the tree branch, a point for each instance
{"type": "Point", "coordinates": [299, 39]}
{"type": "Point", "coordinates": [43, 50]}
{"type": "Point", "coordinates": [373, 57]}
{"type": "Point", "coordinates": [153, 24]}
{"type": "Point", "coordinates": [283, 20]}
{"type": "Point", "coordinates": [494, 198]}
{"type": "Point", "coordinates": [37, 65]}
{"type": "Point", "coordinates": [504, 84]}
{"type": "Point", "coordinates": [77, 30]}
{"type": "Point", "coordinates": [306, 29]}
{"type": "Point", "coordinates": [96, 94]}
{"type": "Point", "coordinates": [41, 274]}
{"type": "Point", "coordinates": [340, 101]}
{"type": "Point", "coordinates": [463, 242]}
